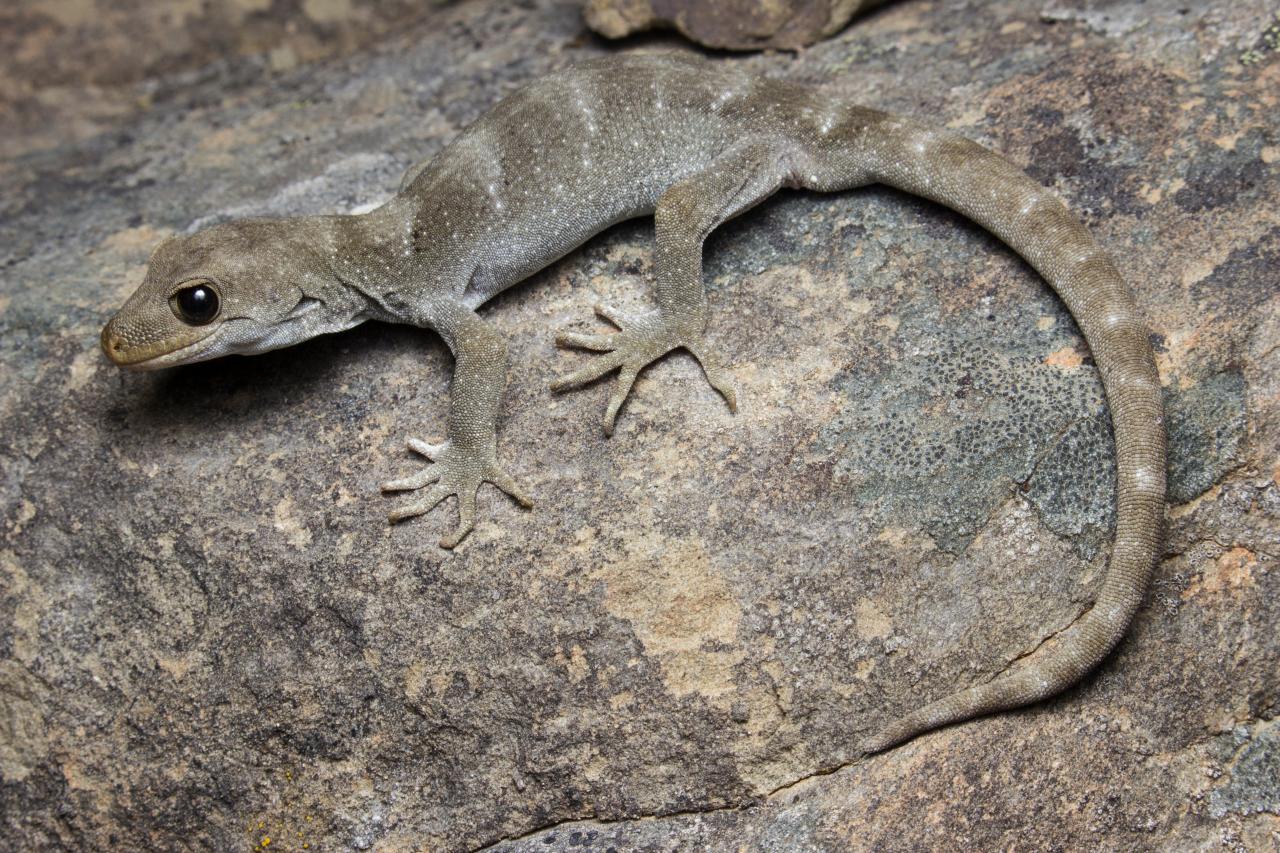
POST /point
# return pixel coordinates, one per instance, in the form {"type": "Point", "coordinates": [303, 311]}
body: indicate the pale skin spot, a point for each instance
{"type": "Point", "coordinates": [1148, 480]}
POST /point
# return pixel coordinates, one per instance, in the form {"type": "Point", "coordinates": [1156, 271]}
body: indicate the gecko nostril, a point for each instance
{"type": "Point", "coordinates": [112, 343]}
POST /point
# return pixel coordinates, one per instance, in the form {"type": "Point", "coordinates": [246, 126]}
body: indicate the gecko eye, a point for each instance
{"type": "Point", "coordinates": [195, 305]}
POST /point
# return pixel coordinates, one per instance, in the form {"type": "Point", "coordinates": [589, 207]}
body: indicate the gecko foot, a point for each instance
{"type": "Point", "coordinates": [457, 470]}
{"type": "Point", "coordinates": [642, 339]}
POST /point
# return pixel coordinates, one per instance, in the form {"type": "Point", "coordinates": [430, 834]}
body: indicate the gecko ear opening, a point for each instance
{"type": "Point", "coordinates": [306, 304]}
{"type": "Point", "coordinates": [196, 304]}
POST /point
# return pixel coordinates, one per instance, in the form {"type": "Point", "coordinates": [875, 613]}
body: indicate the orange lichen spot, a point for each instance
{"type": "Point", "coordinates": [1067, 357]}
{"type": "Point", "coordinates": [1231, 570]}
{"type": "Point", "coordinates": [1235, 568]}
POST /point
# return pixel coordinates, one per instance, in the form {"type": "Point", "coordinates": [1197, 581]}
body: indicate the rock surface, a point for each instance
{"type": "Point", "coordinates": [71, 68]}
{"type": "Point", "coordinates": [727, 24]}
{"type": "Point", "coordinates": [210, 639]}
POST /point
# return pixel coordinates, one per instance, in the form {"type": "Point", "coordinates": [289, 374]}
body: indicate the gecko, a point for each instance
{"type": "Point", "coordinates": [693, 143]}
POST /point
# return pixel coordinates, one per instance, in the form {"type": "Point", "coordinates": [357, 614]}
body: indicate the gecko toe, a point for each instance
{"type": "Point", "coordinates": [504, 481]}
{"type": "Point", "coordinates": [719, 378]}
{"type": "Point", "coordinates": [425, 477]}
{"type": "Point", "coordinates": [589, 372]}
{"type": "Point", "coordinates": [577, 340]}
{"type": "Point", "coordinates": [466, 520]}
{"type": "Point", "coordinates": [626, 379]}
{"type": "Point", "coordinates": [421, 507]}
{"type": "Point", "coordinates": [431, 451]}
{"type": "Point", "coordinates": [616, 316]}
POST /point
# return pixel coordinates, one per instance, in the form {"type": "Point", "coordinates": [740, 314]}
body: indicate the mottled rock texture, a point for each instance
{"type": "Point", "coordinates": [210, 638]}
{"type": "Point", "coordinates": [70, 68]}
{"type": "Point", "coordinates": [727, 24]}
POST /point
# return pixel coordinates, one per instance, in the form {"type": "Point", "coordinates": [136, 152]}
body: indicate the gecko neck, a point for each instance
{"type": "Point", "coordinates": [361, 263]}
{"type": "Point", "coordinates": [396, 259]}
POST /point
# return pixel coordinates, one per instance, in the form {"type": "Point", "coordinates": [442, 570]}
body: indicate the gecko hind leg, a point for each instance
{"type": "Point", "coordinates": [684, 215]}
{"type": "Point", "coordinates": [642, 339]}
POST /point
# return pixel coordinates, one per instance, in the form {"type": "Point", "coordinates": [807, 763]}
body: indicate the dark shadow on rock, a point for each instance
{"type": "Point", "coordinates": [226, 393]}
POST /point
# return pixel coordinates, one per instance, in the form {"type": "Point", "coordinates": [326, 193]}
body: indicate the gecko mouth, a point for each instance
{"type": "Point", "coordinates": [177, 350]}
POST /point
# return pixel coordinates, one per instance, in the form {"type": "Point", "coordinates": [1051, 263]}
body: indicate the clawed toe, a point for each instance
{"type": "Point", "coordinates": [616, 316]}
{"type": "Point", "coordinates": [626, 379]}
{"type": "Point", "coordinates": [718, 377]}
{"type": "Point", "coordinates": [425, 477]}
{"type": "Point", "coordinates": [420, 507]}
{"type": "Point", "coordinates": [589, 372]}
{"type": "Point", "coordinates": [431, 451]}
{"type": "Point", "coordinates": [466, 520]}
{"type": "Point", "coordinates": [577, 340]}
{"type": "Point", "coordinates": [504, 481]}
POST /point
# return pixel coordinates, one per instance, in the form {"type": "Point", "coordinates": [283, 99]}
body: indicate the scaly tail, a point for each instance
{"type": "Point", "coordinates": [994, 193]}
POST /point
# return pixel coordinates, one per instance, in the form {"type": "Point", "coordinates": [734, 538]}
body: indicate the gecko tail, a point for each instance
{"type": "Point", "coordinates": [947, 168]}
{"type": "Point", "coordinates": [1083, 647]}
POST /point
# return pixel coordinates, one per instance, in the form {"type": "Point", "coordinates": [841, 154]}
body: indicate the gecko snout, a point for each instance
{"type": "Point", "coordinates": [120, 347]}
{"type": "Point", "coordinates": [112, 344]}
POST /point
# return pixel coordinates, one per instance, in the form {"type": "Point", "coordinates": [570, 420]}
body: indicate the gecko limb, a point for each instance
{"type": "Point", "coordinates": [683, 218]}
{"type": "Point", "coordinates": [468, 457]}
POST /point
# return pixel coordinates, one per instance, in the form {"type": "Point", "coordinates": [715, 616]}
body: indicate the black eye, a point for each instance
{"type": "Point", "coordinates": [196, 305]}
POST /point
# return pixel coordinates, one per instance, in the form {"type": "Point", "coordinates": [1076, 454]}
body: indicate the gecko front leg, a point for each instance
{"type": "Point", "coordinates": [685, 214]}
{"type": "Point", "coordinates": [468, 456]}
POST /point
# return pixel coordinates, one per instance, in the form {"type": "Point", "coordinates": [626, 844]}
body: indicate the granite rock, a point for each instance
{"type": "Point", "coordinates": [727, 24]}
{"type": "Point", "coordinates": [210, 639]}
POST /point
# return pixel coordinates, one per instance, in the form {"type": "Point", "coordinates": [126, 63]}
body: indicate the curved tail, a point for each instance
{"type": "Point", "coordinates": [991, 191]}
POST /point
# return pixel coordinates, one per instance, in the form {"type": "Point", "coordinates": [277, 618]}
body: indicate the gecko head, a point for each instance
{"type": "Point", "coordinates": [231, 288]}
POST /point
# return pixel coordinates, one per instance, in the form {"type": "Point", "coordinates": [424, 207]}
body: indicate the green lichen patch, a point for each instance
{"type": "Point", "coordinates": [1254, 783]}
{"type": "Point", "coordinates": [944, 434]}
{"type": "Point", "coordinates": [1206, 425]}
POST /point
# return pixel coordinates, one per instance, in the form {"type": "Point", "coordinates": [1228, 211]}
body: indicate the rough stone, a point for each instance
{"type": "Point", "coordinates": [727, 24]}
{"type": "Point", "coordinates": [210, 638]}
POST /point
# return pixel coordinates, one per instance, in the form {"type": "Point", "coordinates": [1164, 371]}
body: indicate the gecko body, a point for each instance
{"type": "Point", "coordinates": [694, 144]}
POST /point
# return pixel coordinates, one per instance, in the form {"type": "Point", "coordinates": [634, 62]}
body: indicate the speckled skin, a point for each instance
{"type": "Point", "coordinates": [694, 144]}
